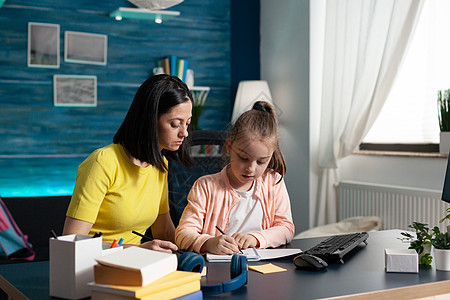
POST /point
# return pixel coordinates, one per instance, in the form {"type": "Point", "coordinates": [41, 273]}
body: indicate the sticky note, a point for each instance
{"type": "Point", "coordinates": [267, 268]}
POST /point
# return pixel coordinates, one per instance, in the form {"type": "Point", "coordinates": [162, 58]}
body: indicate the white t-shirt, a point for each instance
{"type": "Point", "coordinates": [247, 216]}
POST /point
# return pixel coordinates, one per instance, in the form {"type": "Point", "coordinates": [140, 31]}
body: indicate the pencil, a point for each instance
{"type": "Point", "coordinates": [54, 234]}
{"type": "Point", "coordinates": [142, 236]}
{"type": "Point", "coordinates": [221, 231]}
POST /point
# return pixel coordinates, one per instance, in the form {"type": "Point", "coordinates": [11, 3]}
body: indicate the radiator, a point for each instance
{"type": "Point", "coordinates": [396, 206]}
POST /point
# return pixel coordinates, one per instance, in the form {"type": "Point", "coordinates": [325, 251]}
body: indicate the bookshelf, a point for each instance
{"type": "Point", "coordinates": [200, 93]}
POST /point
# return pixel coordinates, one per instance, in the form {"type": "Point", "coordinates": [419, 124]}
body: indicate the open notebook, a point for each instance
{"type": "Point", "coordinates": [254, 254]}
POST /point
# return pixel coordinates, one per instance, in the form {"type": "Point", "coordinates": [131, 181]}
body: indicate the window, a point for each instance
{"type": "Point", "coordinates": [409, 115]}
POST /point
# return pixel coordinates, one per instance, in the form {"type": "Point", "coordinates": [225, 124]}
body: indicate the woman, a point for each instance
{"type": "Point", "coordinates": [123, 187]}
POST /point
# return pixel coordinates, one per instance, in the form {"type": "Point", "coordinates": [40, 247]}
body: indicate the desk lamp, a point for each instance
{"type": "Point", "coordinates": [248, 92]}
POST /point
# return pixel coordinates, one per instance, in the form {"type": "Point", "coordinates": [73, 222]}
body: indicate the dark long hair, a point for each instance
{"type": "Point", "coordinates": [139, 130]}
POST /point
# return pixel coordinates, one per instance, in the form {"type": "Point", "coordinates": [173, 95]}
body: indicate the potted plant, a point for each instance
{"type": "Point", "coordinates": [443, 101]}
{"type": "Point", "coordinates": [421, 242]}
{"type": "Point", "coordinates": [441, 244]}
{"type": "Point", "coordinates": [425, 238]}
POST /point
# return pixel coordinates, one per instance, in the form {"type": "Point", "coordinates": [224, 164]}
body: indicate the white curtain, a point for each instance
{"type": "Point", "coordinates": [364, 45]}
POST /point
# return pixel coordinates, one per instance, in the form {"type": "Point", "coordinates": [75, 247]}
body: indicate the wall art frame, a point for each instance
{"type": "Point", "coordinates": [75, 90]}
{"type": "Point", "coordinates": [85, 48]}
{"type": "Point", "coordinates": [43, 45]}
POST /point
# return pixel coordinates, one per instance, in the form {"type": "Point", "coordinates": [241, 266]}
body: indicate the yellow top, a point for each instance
{"type": "Point", "coordinates": [118, 196]}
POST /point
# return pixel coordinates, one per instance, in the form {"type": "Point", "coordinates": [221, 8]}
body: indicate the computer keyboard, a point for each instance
{"type": "Point", "coordinates": [336, 247]}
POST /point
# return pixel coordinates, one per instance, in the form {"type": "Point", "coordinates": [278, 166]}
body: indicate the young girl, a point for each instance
{"type": "Point", "coordinates": [248, 199]}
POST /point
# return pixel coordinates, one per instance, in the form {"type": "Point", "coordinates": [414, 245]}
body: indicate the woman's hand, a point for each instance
{"type": "Point", "coordinates": [160, 245]}
{"type": "Point", "coordinates": [222, 244]}
{"type": "Point", "coordinates": [245, 240]}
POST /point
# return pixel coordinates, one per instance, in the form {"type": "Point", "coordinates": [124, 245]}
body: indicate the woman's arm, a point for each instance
{"type": "Point", "coordinates": [74, 226]}
{"type": "Point", "coordinates": [163, 231]}
{"type": "Point", "coordinates": [163, 228]}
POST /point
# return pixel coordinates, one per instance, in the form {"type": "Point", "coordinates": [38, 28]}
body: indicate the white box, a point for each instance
{"type": "Point", "coordinates": [72, 260]}
{"type": "Point", "coordinates": [401, 260]}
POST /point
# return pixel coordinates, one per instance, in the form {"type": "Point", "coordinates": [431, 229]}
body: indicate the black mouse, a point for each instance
{"type": "Point", "coordinates": [309, 262]}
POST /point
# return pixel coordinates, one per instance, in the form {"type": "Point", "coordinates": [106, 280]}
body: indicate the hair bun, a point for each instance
{"type": "Point", "coordinates": [264, 106]}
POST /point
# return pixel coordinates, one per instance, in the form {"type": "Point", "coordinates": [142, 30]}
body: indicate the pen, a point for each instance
{"type": "Point", "coordinates": [120, 242]}
{"type": "Point", "coordinates": [54, 234]}
{"type": "Point", "coordinates": [221, 231]}
{"type": "Point", "coordinates": [150, 239]}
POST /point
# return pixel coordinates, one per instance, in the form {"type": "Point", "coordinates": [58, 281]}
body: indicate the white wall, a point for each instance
{"type": "Point", "coordinates": [285, 65]}
{"type": "Point", "coordinates": [295, 82]}
{"type": "Point", "coordinates": [418, 172]}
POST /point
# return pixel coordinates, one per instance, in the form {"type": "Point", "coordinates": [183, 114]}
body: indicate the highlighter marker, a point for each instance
{"type": "Point", "coordinates": [114, 244]}
{"type": "Point", "coordinates": [120, 242]}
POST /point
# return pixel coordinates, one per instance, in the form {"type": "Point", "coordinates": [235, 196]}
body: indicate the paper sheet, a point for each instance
{"type": "Point", "coordinates": [251, 253]}
{"type": "Point", "coordinates": [277, 253]}
{"type": "Point", "coordinates": [255, 254]}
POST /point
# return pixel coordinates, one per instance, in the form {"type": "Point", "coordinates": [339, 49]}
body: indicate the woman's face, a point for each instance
{"type": "Point", "coordinates": [173, 126]}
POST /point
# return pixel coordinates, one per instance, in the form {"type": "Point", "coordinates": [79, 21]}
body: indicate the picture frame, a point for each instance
{"type": "Point", "coordinates": [75, 90]}
{"type": "Point", "coordinates": [43, 45]}
{"type": "Point", "coordinates": [85, 48]}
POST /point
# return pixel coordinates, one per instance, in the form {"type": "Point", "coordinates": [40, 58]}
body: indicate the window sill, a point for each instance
{"type": "Point", "coordinates": [401, 154]}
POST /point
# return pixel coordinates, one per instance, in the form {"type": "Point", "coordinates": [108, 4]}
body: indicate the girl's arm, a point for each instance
{"type": "Point", "coordinates": [188, 233]}
{"type": "Point", "coordinates": [197, 233]}
{"type": "Point", "coordinates": [281, 228]}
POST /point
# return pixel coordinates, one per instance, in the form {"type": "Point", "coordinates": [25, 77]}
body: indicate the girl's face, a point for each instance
{"type": "Point", "coordinates": [249, 158]}
{"type": "Point", "coordinates": [173, 126]}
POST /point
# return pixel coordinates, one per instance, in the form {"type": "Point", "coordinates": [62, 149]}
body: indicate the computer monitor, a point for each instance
{"type": "Point", "coordinates": [446, 188]}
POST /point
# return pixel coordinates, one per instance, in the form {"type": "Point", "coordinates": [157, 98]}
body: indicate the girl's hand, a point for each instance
{"type": "Point", "coordinates": [222, 244]}
{"type": "Point", "coordinates": [160, 245]}
{"type": "Point", "coordinates": [245, 240]}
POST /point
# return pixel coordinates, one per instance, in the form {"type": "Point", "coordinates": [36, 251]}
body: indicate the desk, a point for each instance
{"type": "Point", "coordinates": [362, 272]}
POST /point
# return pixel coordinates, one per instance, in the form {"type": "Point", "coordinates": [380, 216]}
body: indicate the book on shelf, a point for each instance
{"type": "Point", "coordinates": [165, 64]}
{"type": "Point", "coordinates": [182, 65]}
{"type": "Point", "coordinates": [173, 285]}
{"type": "Point", "coordinates": [134, 266]}
{"type": "Point", "coordinates": [173, 64]}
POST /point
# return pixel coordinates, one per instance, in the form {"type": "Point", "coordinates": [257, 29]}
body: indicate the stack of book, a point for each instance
{"type": "Point", "coordinates": [173, 65]}
{"type": "Point", "coordinates": [138, 273]}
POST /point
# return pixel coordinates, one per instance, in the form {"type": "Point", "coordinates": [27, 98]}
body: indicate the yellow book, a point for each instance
{"type": "Point", "coordinates": [172, 293]}
{"type": "Point", "coordinates": [174, 280]}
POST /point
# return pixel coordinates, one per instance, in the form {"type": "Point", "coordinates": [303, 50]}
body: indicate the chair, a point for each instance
{"type": "Point", "coordinates": [181, 178]}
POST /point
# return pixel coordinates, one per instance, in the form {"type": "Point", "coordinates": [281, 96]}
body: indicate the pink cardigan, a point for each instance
{"type": "Point", "coordinates": [211, 200]}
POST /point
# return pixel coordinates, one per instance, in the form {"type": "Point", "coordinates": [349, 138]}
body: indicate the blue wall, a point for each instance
{"type": "Point", "coordinates": [42, 145]}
